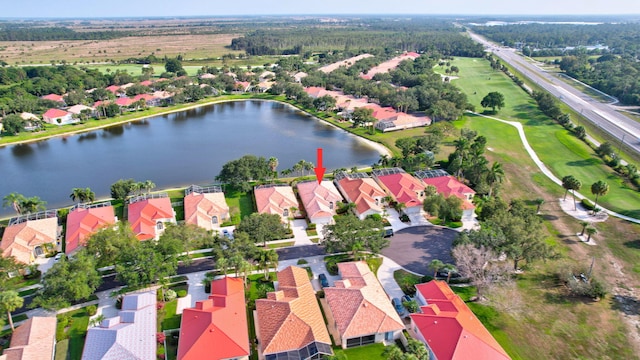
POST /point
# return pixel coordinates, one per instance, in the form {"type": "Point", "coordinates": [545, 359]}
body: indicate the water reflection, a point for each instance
{"type": "Point", "coordinates": [22, 150]}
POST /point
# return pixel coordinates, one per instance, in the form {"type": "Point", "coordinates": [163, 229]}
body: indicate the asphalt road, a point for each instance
{"type": "Point", "coordinates": [414, 247]}
{"type": "Point", "coordinates": [602, 115]}
{"type": "Point", "coordinates": [198, 265]}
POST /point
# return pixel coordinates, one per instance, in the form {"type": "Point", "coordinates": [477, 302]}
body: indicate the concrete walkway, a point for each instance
{"type": "Point", "coordinates": [544, 168]}
{"type": "Point", "coordinates": [388, 282]}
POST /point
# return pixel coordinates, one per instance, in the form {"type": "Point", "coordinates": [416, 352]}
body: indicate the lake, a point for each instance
{"type": "Point", "coordinates": [172, 150]}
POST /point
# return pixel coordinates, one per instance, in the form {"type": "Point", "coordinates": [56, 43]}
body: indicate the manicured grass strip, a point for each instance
{"type": "Point", "coordinates": [369, 352]}
{"type": "Point", "coordinates": [407, 281]}
{"type": "Point", "coordinates": [167, 317]}
{"type": "Point", "coordinates": [75, 331]}
{"type": "Point", "coordinates": [562, 152]}
{"type": "Point", "coordinates": [27, 292]}
{"type": "Point", "coordinates": [281, 245]}
{"type": "Point", "coordinates": [240, 204]}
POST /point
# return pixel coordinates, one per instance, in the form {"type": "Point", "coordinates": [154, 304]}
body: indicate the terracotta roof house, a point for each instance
{"type": "Point", "coordinates": [299, 76]}
{"type": "Point", "coordinates": [276, 199]}
{"type": "Point", "coordinates": [216, 328]}
{"type": "Point", "coordinates": [58, 117]}
{"type": "Point", "coordinates": [205, 207]}
{"type": "Point", "coordinates": [316, 91]}
{"type": "Point", "coordinates": [242, 86]}
{"type": "Point", "coordinates": [30, 121]}
{"type": "Point", "coordinates": [363, 191]}
{"type": "Point", "coordinates": [449, 328]}
{"type": "Point", "coordinates": [448, 185]}
{"type": "Point", "coordinates": [35, 339]}
{"type": "Point", "coordinates": [115, 89]}
{"type": "Point", "coordinates": [54, 97]}
{"type": "Point", "coordinates": [361, 310]}
{"type": "Point", "coordinates": [84, 220]}
{"type": "Point", "coordinates": [78, 109]}
{"type": "Point", "coordinates": [403, 188]}
{"type": "Point", "coordinates": [149, 99]}
{"type": "Point", "coordinates": [146, 83]}
{"type": "Point", "coordinates": [320, 201]}
{"type": "Point", "coordinates": [25, 236]}
{"type": "Point", "coordinates": [130, 335]}
{"type": "Point", "coordinates": [125, 102]}
{"type": "Point", "coordinates": [147, 215]}
{"type": "Point", "coordinates": [289, 324]}
{"type": "Point", "coordinates": [402, 121]}
{"type": "Point", "coordinates": [388, 65]}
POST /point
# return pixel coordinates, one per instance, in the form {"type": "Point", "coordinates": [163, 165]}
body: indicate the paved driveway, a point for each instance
{"type": "Point", "coordinates": [414, 247]}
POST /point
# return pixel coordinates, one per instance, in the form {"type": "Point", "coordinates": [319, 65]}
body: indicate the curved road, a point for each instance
{"type": "Point", "coordinates": [414, 247]}
{"type": "Point", "coordinates": [602, 115]}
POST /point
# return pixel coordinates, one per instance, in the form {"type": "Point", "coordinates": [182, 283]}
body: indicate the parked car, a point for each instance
{"type": "Point", "coordinates": [444, 274]}
{"type": "Point", "coordinates": [227, 234]}
{"type": "Point", "coordinates": [397, 304]}
{"type": "Point", "coordinates": [323, 280]}
{"type": "Point", "coordinates": [58, 256]}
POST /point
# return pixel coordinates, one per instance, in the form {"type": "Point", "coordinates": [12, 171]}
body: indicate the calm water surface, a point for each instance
{"type": "Point", "coordinates": [177, 149]}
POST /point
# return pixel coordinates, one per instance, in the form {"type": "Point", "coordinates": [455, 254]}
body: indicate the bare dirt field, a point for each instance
{"type": "Point", "coordinates": [100, 51]}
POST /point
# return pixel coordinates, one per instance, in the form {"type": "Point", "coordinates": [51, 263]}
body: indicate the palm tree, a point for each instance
{"type": "Point", "coordinates": [539, 202]}
{"type": "Point", "coordinates": [569, 182]}
{"type": "Point", "coordinates": [148, 185]}
{"type": "Point", "coordinates": [599, 188]}
{"type": "Point", "coordinates": [495, 175]}
{"type": "Point", "coordinates": [384, 160]}
{"type": "Point", "coordinates": [435, 266]}
{"type": "Point", "coordinates": [286, 172]}
{"type": "Point", "coordinates": [273, 166]}
{"type": "Point", "coordinates": [450, 269]}
{"type": "Point", "coordinates": [354, 169]}
{"type": "Point", "coordinates": [89, 196]}
{"type": "Point", "coordinates": [590, 232]}
{"type": "Point", "coordinates": [400, 206]}
{"type": "Point", "coordinates": [33, 204]}
{"type": "Point", "coordinates": [267, 259]}
{"type": "Point", "coordinates": [308, 166]}
{"type": "Point", "coordinates": [9, 301]}
{"type": "Point", "coordinates": [245, 268]}
{"type": "Point", "coordinates": [14, 200]}
{"type": "Point", "coordinates": [584, 225]}
{"type": "Point", "coordinates": [223, 265]}
{"type": "Point", "coordinates": [77, 194]}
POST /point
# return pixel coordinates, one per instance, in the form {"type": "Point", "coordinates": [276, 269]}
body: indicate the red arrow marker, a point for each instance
{"type": "Point", "coordinates": [319, 169]}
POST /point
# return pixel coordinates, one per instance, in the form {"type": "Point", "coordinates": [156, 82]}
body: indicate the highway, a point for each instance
{"type": "Point", "coordinates": [605, 116]}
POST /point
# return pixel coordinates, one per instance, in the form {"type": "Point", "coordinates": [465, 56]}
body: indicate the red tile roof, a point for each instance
{"type": "Point", "coordinates": [449, 327]}
{"type": "Point", "coordinates": [316, 92]}
{"type": "Point", "coordinates": [146, 83]}
{"type": "Point", "coordinates": [146, 97]}
{"type": "Point", "coordinates": [33, 340]}
{"type": "Point", "coordinates": [363, 193]}
{"type": "Point", "coordinates": [320, 200]}
{"type": "Point", "coordinates": [200, 208]}
{"type": "Point", "coordinates": [113, 88]}
{"type": "Point", "coordinates": [404, 188]}
{"type": "Point", "coordinates": [54, 97]}
{"type": "Point", "coordinates": [449, 185]}
{"type": "Point", "coordinates": [83, 222]}
{"type": "Point", "coordinates": [290, 318]}
{"type": "Point", "coordinates": [143, 216]}
{"type": "Point", "coordinates": [55, 113]}
{"type": "Point", "coordinates": [20, 240]}
{"type": "Point", "coordinates": [125, 101]}
{"type": "Point", "coordinates": [359, 304]}
{"type": "Point", "coordinates": [275, 199]}
{"type": "Point", "coordinates": [216, 328]}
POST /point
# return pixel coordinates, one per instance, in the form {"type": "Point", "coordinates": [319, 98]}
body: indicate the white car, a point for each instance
{"type": "Point", "coordinates": [58, 256]}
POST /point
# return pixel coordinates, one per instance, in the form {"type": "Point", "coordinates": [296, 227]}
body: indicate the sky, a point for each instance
{"type": "Point", "coordinates": [147, 8]}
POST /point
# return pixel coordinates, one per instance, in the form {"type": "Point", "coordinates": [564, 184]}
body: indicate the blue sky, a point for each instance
{"type": "Point", "coordinates": [141, 8]}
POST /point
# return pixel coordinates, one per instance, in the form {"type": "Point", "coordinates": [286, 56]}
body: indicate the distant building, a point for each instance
{"type": "Point", "coordinates": [130, 335]}
{"type": "Point", "coordinates": [54, 97]}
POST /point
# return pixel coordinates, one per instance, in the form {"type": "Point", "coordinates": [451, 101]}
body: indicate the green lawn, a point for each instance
{"type": "Point", "coordinates": [281, 245]}
{"type": "Point", "coordinates": [75, 331]}
{"type": "Point", "coordinates": [167, 317]}
{"type": "Point", "coordinates": [562, 152]}
{"type": "Point", "coordinates": [240, 204]}
{"type": "Point", "coordinates": [407, 281]}
{"type": "Point", "coordinates": [136, 70]}
{"type": "Point", "coordinates": [368, 352]}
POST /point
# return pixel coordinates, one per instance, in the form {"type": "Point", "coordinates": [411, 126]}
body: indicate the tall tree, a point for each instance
{"type": "Point", "coordinates": [122, 188]}
{"type": "Point", "coordinates": [68, 280]}
{"type": "Point", "coordinates": [435, 265]}
{"type": "Point", "coordinates": [15, 201]}
{"type": "Point", "coordinates": [569, 182]}
{"type": "Point", "coordinates": [238, 173]}
{"type": "Point", "coordinates": [493, 100]}
{"type": "Point", "coordinates": [349, 233]}
{"type": "Point", "coordinates": [273, 166]}
{"type": "Point", "coordinates": [32, 205]}
{"type": "Point", "coordinates": [494, 176]}
{"type": "Point", "coordinates": [10, 301]}
{"type": "Point", "coordinates": [107, 244]}
{"type": "Point", "coordinates": [262, 227]}
{"type": "Point", "coordinates": [599, 188]}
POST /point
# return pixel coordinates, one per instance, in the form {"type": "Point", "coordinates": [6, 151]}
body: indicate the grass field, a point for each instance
{"type": "Point", "coordinates": [562, 152]}
{"type": "Point", "coordinates": [75, 331]}
{"type": "Point", "coordinates": [373, 352]}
